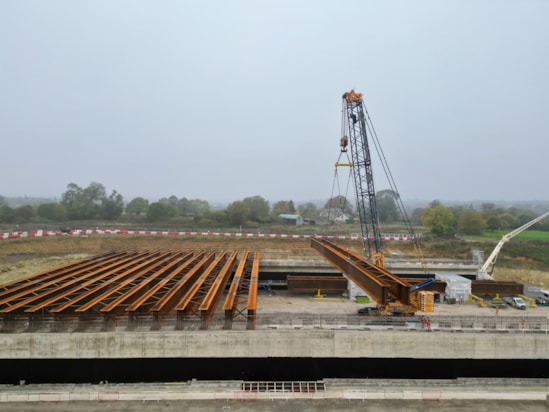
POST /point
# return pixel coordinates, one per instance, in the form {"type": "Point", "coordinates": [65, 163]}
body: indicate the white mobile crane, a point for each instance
{"type": "Point", "coordinates": [486, 270]}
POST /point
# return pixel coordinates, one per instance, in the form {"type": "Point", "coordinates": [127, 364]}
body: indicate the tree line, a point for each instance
{"type": "Point", "coordinates": [95, 203]}
{"type": "Point", "coordinates": [448, 220]}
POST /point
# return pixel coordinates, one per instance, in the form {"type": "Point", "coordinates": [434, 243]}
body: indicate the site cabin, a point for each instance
{"type": "Point", "coordinates": [288, 218]}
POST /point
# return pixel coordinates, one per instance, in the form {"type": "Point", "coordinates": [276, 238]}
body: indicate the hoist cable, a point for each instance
{"type": "Point", "coordinates": [392, 185]}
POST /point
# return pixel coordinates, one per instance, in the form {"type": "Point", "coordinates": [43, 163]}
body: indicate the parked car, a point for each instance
{"type": "Point", "coordinates": [515, 302]}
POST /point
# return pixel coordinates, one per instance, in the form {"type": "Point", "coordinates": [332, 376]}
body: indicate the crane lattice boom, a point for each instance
{"type": "Point", "coordinates": [356, 124]}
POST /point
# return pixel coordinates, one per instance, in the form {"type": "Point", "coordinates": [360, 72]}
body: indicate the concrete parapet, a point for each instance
{"type": "Point", "coordinates": [274, 343]}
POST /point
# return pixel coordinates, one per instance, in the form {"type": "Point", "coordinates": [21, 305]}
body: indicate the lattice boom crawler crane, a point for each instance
{"type": "Point", "coordinates": [393, 295]}
{"type": "Point", "coordinates": [356, 123]}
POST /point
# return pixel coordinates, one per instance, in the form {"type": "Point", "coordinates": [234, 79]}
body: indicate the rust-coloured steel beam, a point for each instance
{"type": "Point", "coordinates": [90, 289]}
{"type": "Point", "coordinates": [372, 279]}
{"type": "Point", "coordinates": [296, 282]}
{"type": "Point", "coordinates": [169, 284]}
{"type": "Point", "coordinates": [230, 301]}
{"type": "Point", "coordinates": [479, 287]}
{"type": "Point", "coordinates": [218, 286]}
{"type": "Point", "coordinates": [50, 278]}
{"type": "Point", "coordinates": [132, 291]}
{"type": "Point", "coordinates": [48, 274]}
{"type": "Point", "coordinates": [104, 293]}
{"type": "Point", "coordinates": [209, 303]}
{"type": "Point", "coordinates": [188, 303]}
{"type": "Point", "coordinates": [170, 298]}
{"type": "Point", "coordinates": [252, 292]}
{"type": "Point", "coordinates": [57, 289]}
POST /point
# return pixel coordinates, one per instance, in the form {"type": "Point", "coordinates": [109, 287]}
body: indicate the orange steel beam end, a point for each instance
{"type": "Point", "coordinates": [210, 301]}
{"type": "Point", "coordinates": [230, 301]}
{"type": "Point", "coordinates": [252, 292]}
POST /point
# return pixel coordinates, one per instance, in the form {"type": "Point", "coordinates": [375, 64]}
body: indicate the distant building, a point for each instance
{"type": "Point", "coordinates": [335, 215]}
{"type": "Point", "coordinates": [287, 218]}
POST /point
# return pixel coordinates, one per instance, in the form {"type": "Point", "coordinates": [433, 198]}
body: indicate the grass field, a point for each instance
{"type": "Point", "coordinates": [526, 235]}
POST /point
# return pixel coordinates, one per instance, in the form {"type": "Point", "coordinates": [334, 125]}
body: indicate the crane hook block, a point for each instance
{"type": "Point", "coordinates": [343, 142]}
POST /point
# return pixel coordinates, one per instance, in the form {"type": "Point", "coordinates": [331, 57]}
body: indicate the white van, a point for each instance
{"type": "Point", "coordinates": [543, 297]}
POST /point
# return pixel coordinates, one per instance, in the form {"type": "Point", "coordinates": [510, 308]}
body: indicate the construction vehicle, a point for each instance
{"type": "Point", "coordinates": [358, 132]}
{"type": "Point", "coordinates": [485, 272]}
{"type": "Point", "coordinates": [393, 295]}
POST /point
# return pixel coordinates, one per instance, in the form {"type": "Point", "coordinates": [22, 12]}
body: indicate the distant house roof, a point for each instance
{"type": "Point", "coordinates": [298, 218]}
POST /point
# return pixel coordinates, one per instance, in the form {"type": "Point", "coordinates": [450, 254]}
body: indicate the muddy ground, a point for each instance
{"type": "Point", "coordinates": [28, 256]}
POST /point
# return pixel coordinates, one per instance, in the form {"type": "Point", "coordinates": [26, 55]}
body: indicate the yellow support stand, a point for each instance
{"type": "Point", "coordinates": [529, 299]}
{"type": "Point", "coordinates": [478, 299]}
{"type": "Point", "coordinates": [319, 296]}
{"type": "Point", "coordinates": [497, 297]}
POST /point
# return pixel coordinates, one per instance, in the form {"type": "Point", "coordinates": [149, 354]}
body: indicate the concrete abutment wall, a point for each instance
{"type": "Point", "coordinates": [275, 343]}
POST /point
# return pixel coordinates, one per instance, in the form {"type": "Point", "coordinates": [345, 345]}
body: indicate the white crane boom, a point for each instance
{"type": "Point", "coordinates": [483, 272]}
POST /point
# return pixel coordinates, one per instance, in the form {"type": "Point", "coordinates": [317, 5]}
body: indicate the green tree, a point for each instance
{"type": "Point", "coordinates": [471, 222]}
{"type": "Point", "coordinates": [83, 203]}
{"type": "Point", "coordinates": [70, 200]}
{"type": "Point", "coordinates": [238, 213]}
{"type": "Point", "coordinates": [52, 211]}
{"type": "Point", "coordinates": [193, 207]}
{"type": "Point", "coordinates": [112, 207]}
{"type": "Point", "coordinates": [439, 219]}
{"type": "Point", "coordinates": [24, 213]}
{"type": "Point", "coordinates": [283, 207]}
{"type": "Point", "coordinates": [308, 210]}
{"type": "Point", "coordinates": [339, 202]}
{"type": "Point", "coordinates": [258, 209]}
{"type": "Point", "coordinates": [501, 221]}
{"type": "Point", "coordinates": [7, 214]}
{"type": "Point", "coordinates": [158, 211]}
{"type": "Point", "coordinates": [387, 206]}
{"type": "Point", "coordinates": [417, 213]}
{"type": "Point", "coordinates": [137, 206]}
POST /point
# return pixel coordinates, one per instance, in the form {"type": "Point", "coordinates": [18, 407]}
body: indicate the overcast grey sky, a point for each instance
{"type": "Point", "coordinates": [222, 100]}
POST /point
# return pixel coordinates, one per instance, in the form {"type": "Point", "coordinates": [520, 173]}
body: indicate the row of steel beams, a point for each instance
{"type": "Point", "coordinates": [236, 301]}
{"type": "Point", "coordinates": [215, 291]}
{"type": "Point", "coordinates": [372, 279]}
{"type": "Point", "coordinates": [59, 287]}
{"type": "Point", "coordinates": [164, 293]}
{"type": "Point", "coordinates": [10, 288]}
{"type": "Point", "coordinates": [128, 283]}
{"type": "Point", "coordinates": [103, 287]}
{"type": "Point", "coordinates": [171, 298]}
{"type": "Point", "coordinates": [106, 295]}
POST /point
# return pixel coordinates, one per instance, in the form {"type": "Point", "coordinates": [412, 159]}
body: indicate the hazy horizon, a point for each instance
{"type": "Point", "coordinates": [243, 98]}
